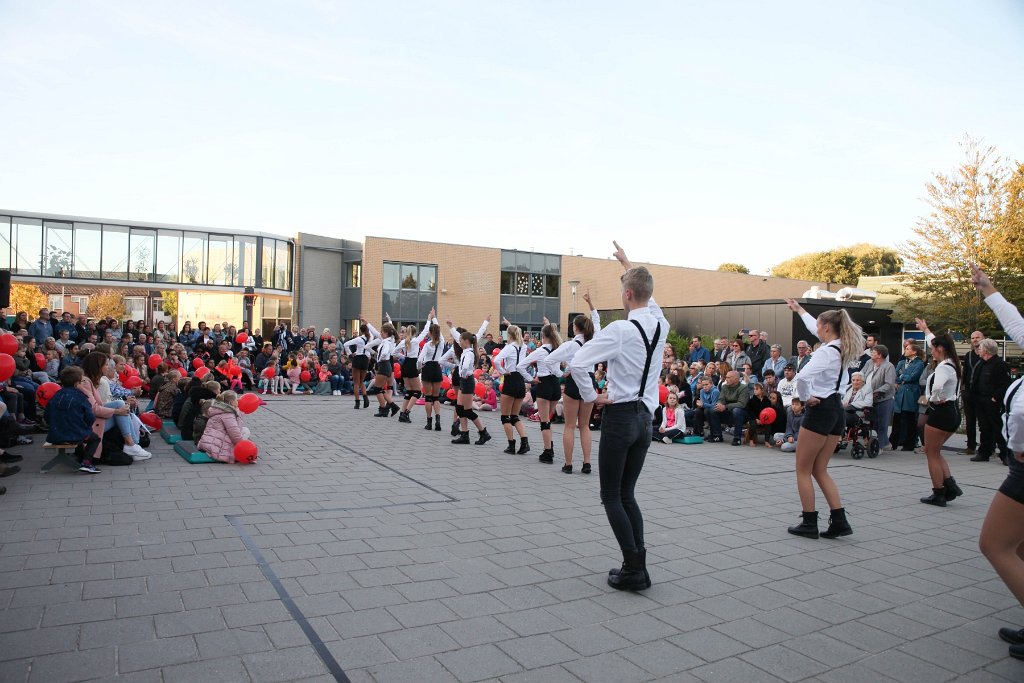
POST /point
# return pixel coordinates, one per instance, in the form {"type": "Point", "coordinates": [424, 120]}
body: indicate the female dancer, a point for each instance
{"type": "Point", "coordinates": [818, 387]}
{"type": "Point", "coordinates": [942, 390]}
{"type": "Point", "coordinates": [382, 378]}
{"type": "Point", "coordinates": [1002, 533]}
{"type": "Point", "coordinates": [546, 390]}
{"type": "Point", "coordinates": [410, 348]}
{"type": "Point", "coordinates": [464, 407]}
{"type": "Point", "coordinates": [356, 348]}
{"type": "Point", "coordinates": [429, 360]}
{"type": "Point", "coordinates": [451, 359]}
{"type": "Point", "coordinates": [513, 389]}
{"type": "Point", "coordinates": [575, 410]}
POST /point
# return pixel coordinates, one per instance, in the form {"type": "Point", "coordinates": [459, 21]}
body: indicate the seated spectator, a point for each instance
{"type": "Point", "coordinates": [698, 353]}
{"type": "Point", "coordinates": [673, 424]}
{"type": "Point", "coordinates": [164, 401]}
{"type": "Point", "coordinates": [787, 385]}
{"type": "Point", "coordinates": [757, 402]}
{"type": "Point", "coordinates": [490, 400]}
{"type": "Point", "coordinates": [199, 426]}
{"type": "Point", "coordinates": [779, 424]}
{"type": "Point", "coordinates": [771, 381]}
{"type": "Point", "coordinates": [190, 408]}
{"type": "Point", "coordinates": [730, 409]}
{"type": "Point", "coordinates": [857, 399]}
{"type": "Point", "coordinates": [775, 362]}
{"type": "Point", "coordinates": [786, 441]}
{"type": "Point", "coordinates": [706, 398]}
{"type": "Point", "coordinates": [224, 428]}
{"type": "Point", "coordinates": [70, 417]}
{"type": "Point", "coordinates": [802, 357]}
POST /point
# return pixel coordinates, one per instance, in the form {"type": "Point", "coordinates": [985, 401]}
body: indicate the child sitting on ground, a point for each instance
{"type": "Point", "coordinates": [489, 400]}
{"type": "Point", "coordinates": [164, 401]}
{"type": "Point", "coordinates": [224, 429]}
{"type": "Point", "coordinates": [199, 426]}
{"type": "Point", "coordinates": [53, 364]}
{"type": "Point", "coordinates": [794, 418]}
{"type": "Point", "coordinates": [69, 414]}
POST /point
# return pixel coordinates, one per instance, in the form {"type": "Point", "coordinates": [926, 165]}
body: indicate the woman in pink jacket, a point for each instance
{"type": "Point", "coordinates": [94, 365]}
{"type": "Point", "coordinates": [224, 429]}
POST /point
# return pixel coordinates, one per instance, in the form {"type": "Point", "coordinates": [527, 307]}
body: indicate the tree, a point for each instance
{"type": "Point", "coordinates": [977, 215]}
{"type": "Point", "coordinates": [733, 268]}
{"type": "Point", "coordinates": [170, 306]}
{"type": "Point", "coordinates": [106, 304]}
{"type": "Point", "coordinates": [842, 265]}
{"type": "Point", "coordinates": [28, 298]}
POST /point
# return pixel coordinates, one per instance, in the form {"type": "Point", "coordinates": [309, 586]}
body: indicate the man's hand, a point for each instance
{"type": "Point", "coordinates": [719, 407]}
{"type": "Point", "coordinates": [620, 255]}
{"type": "Point", "coordinates": [586, 297]}
{"type": "Point", "coordinates": [604, 399]}
{"type": "Point", "coordinates": [921, 325]}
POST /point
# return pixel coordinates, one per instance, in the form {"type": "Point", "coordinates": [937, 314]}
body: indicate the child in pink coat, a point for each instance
{"type": "Point", "coordinates": [224, 429]}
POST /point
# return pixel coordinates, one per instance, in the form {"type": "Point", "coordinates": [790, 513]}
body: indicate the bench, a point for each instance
{"type": "Point", "coordinates": [65, 456]}
{"type": "Point", "coordinates": [191, 453]}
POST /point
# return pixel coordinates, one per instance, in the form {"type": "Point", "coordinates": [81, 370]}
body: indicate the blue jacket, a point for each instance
{"type": "Point", "coordinates": [40, 330]}
{"type": "Point", "coordinates": [908, 385]}
{"type": "Point", "coordinates": [701, 354]}
{"type": "Point", "coordinates": [69, 414]}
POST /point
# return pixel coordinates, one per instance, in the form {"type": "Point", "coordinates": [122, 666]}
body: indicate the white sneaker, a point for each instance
{"type": "Point", "coordinates": [137, 452]}
{"type": "Point", "coordinates": [665, 439]}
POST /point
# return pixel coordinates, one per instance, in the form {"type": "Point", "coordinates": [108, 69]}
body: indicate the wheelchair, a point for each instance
{"type": "Point", "coordinates": [861, 434]}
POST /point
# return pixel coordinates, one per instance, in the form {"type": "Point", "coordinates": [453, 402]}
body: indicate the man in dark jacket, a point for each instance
{"type": "Point", "coordinates": [70, 417]}
{"type": "Point", "coordinates": [969, 363]}
{"type": "Point", "coordinates": [988, 386]}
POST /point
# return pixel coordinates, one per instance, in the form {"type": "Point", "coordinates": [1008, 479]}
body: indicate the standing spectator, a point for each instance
{"type": "Point", "coordinates": [882, 380]}
{"type": "Point", "coordinates": [41, 328]}
{"type": "Point", "coordinates": [697, 352]}
{"type": "Point", "coordinates": [908, 389]}
{"type": "Point", "coordinates": [737, 357]}
{"type": "Point", "coordinates": [65, 325]}
{"type": "Point", "coordinates": [989, 384]}
{"type": "Point", "coordinates": [721, 350]}
{"type": "Point", "coordinates": [757, 352]}
{"type": "Point", "coordinates": [970, 362]}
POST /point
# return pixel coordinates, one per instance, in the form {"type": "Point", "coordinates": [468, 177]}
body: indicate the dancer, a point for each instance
{"type": "Point", "coordinates": [513, 389]}
{"type": "Point", "coordinates": [451, 359]}
{"type": "Point", "coordinates": [942, 390]}
{"type": "Point", "coordinates": [464, 406]}
{"type": "Point", "coordinates": [574, 409]}
{"type": "Point", "coordinates": [818, 386]}
{"type": "Point", "coordinates": [383, 372]}
{"type": "Point", "coordinates": [628, 347]}
{"type": "Point", "coordinates": [546, 390]}
{"type": "Point", "coordinates": [356, 349]}
{"type": "Point", "coordinates": [1002, 532]}
{"type": "Point", "coordinates": [430, 372]}
{"type": "Point", "coordinates": [410, 348]}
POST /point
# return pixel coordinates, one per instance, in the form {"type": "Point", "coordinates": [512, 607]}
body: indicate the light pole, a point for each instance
{"type": "Point", "coordinates": [574, 284]}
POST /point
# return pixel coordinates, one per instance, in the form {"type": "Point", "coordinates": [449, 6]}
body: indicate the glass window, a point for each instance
{"type": "Point", "coordinates": [428, 279]}
{"type": "Point", "coordinates": [408, 305]}
{"type": "Point", "coordinates": [168, 256]}
{"type": "Point", "coordinates": [508, 260]}
{"type": "Point", "coordinates": [245, 261]}
{"type": "Point", "coordinates": [88, 248]}
{"type": "Point", "coordinates": [507, 280]}
{"type": "Point", "coordinates": [143, 254]}
{"type": "Point", "coordinates": [193, 258]}
{"type": "Point", "coordinates": [536, 285]}
{"type": "Point", "coordinates": [522, 262]}
{"type": "Point", "coordinates": [28, 246]}
{"type": "Point", "coordinates": [220, 268]}
{"type": "Point", "coordinates": [58, 249]}
{"type": "Point", "coordinates": [554, 264]}
{"type": "Point", "coordinates": [5, 241]}
{"type": "Point", "coordinates": [391, 276]}
{"type": "Point", "coordinates": [354, 275]}
{"type": "Point", "coordinates": [409, 277]}
{"type": "Point", "coordinates": [389, 303]}
{"type": "Point", "coordinates": [553, 282]}
{"type": "Point", "coordinates": [115, 252]}
{"type": "Point", "coordinates": [522, 284]}
{"type": "Point", "coordinates": [267, 267]}
{"type": "Point", "coordinates": [283, 265]}
{"type": "Point", "coordinates": [537, 263]}
{"type": "Point", "coordinates": [284, 309]}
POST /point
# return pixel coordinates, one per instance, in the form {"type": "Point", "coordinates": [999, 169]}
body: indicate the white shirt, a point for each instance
{"type": "Point", "coordinates": [624, 350]}
{"type": "Point", "coordinates": [786, 389]}
{"type": "Point", "coordinates": [566, 352]}
{"type": "Point", "coordinates": [541, 358]}
{"type": "Point", "coordinates": [819, 377]}
{"type": "Point", "coordinates": [1013, 419]}
{"type": "Point", "coordinates": [943, 384]}
{"type": "Point", "coordinates": [507, 360]}
{"type": "Point", "coordinates": [385, 348]}
{"type": "Point", "coordinates": [358, 345]}
{"type": "Point", "coordinates": [467, 362]}
{"type": "Point", "coordinates": [431, 352]}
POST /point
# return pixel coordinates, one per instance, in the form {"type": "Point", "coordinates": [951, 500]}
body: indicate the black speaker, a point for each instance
{"type": "Point", "coordinates": [572, 317]}
{"type": "Point", "coordinates": [5, 288]}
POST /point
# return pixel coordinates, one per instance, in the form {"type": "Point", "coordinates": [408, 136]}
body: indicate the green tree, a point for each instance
{"type": "Point", "coordinates": [733, 268]}
{"type": "Point", "coordinates": [977, 215]}
{"type": "Point", "coordinates": [106, 304]}
{"type": "Point", "coordinates": [843, 264]}
{"type": "Point", "coordinates": [170, 305]}
{"type": "Point", "coordinates": [28, 298]}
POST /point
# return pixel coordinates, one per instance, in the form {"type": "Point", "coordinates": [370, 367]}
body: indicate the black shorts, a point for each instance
{"type": "Point", "coordinates": [1013, 485]}
{"type": "Point", "coordinates": [943, 416]}
{"type": "Point", "coordinates": [431, 371]}
{"type": "Point", "coordinates": [468, 385]}
{"type": "Point", "coordinates": [827, 418]}
{"type": "Point", "coordinates": [455, 378]}
{"type": "Point", "coordinates": [573, 391]}
{"type": "Point", "coordinates": [409, 369]}
{"type": "Point", "coordinates": [360, 362]}
{"type": "Point", "coordinates": [548, 389]}
{"type": "Point", "coordinates": [514, 385]}
{"type": "Point", "coordinates": [385, 368]}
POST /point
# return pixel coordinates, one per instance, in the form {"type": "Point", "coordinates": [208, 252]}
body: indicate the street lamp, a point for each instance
{"type": "Point", "coordinates": [574, 284]}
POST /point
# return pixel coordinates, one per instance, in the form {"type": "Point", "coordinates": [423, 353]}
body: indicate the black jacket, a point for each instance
{"type": "Point", "coordinates": [991, 379]}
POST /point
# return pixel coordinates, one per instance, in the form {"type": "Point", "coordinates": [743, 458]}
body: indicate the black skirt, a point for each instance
{"type": "Point", "coordinates": [547, 389]}
{"type": "Point", "coordinates": [943, 416]}
{"type": "Point", "coordinates": [385, 368]}
{"type": "Point", "coordinates": [431, 371]}
{"type": "Point", "coordinates": [513, 385]}
{"type": "Point", "coordinates": [360, 362]}
{"type": "Point", "coordinates": [409, 369]}
{"type": "Point", "coordinates": [827, 418]}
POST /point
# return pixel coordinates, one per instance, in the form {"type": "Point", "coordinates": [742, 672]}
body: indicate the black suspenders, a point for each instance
{"type": "Point", "coordinates": [650, 354]}
{"type": "Point", "coordinates": [1007, 404]}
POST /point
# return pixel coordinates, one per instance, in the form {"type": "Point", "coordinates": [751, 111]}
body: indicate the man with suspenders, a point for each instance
{"type": "Point", "coordinates": [628, 348]}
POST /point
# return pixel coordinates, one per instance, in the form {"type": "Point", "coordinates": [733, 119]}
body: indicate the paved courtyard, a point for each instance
{"type": "Point", "coordinates": [368, 550]}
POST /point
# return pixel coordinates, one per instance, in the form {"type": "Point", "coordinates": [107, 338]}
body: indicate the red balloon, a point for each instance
{"type": "Point", "coordinates": [248, 403]}
{"type": "Point", "coordinates": [767, 416]}
{"type": "Point", "coordinates": [397, 369]}
{"type": "Point", "coordinates": [451, 394]}
{"type": "Point", "coordinates": [662, 394]}
{"type": "Point", "coordinates": [478, 373]}
{"type": "Point", "coordinates": [235, 371]}
{"type": "Point", "coordinates": [198, 363]}
{"type": "Point", "coordinates": [495, 352]}
{"type": "Point", "coordinates": [446, 382]}
{"type": "Point", "coordinates": [40, 360]}
{"type": "Point", "coordinates": [246, 452]}
{"type": "Point", "coordinates": [202, 372]}
{"type": "Point", "coordinates": [305, 376]}
{"type": "Point", "coordinates": [242, 338]}
{"type": "Point", "coordinates": [480, 390]}
{"type": "Point", "coordinates": [270, 373]}
{"type": "Point", "coordinates": [45, 392]}
{"type": "Point", "coordinates": [131, 371]}
{"type": "Point", "coordinates": [132, 383]}
{"type": "Point", "coordinates": [151, 420]}
{"type": "Point", "coordinates": [154, 361]}
{"type": "Point", "coordinates": [423, 342]}
{"type": "Point", "coordinates": [8, 344]}
{"type": "Point", "coordinates": [6, 367]}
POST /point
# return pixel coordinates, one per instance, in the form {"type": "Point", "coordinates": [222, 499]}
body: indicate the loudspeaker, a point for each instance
{"type": "Point", "coordinates": [5, 288]}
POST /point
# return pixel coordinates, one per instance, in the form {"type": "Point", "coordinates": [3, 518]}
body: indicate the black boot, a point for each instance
{"type": "Point", "coordinates": [357, 403]}
{"type": "Point", "coordinates": [430, 424]}
{"type": "Point", "coordinates": [938, 498]}
{"type": "Point", "coordinates": [511, 450]}
{"type": "Point", "coordinates": [837, 524]}
{"type": "Point", "coordinates": [547, 456]}
{"type": "Point", "coordinates": [366, 401]}
{"type": "Point", "coordinates": [393, 407]}
{"type": "Point", "coordinates": [807, 528]}
{"type": "Point", "coordinates": [455, 428]}
{"type": "Point", "coordinates": [643, 556]}
{"type": "Point", "coordinates": [483, 438]}
{"type": "Point", "coordinates": [524, 447]}
{"type": "Point", "coordinates": [404, 417]}
{"type": "Point", "coordinates": [463, 437]}
{"type": "Point", "coordinates": [952, 489]}
{"type": "Point", "coordinates": [437, 423]}
{"type": "Point", "coordinates": [633, 575]}
{"type": "Point", "coordinates": [381, 412]}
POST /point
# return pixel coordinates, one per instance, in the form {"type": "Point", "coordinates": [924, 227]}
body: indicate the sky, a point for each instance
{"type": "Point", "coordinates": [695, 133]}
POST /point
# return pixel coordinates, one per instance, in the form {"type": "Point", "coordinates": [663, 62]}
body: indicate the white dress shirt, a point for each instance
{"type": "Point", "coordinates": [943, 384]}
{"type": "Point", "coordinates": [385, 348]}
{"type": "Point", "coordinates": [541, 358]}
{"type": "Point", "coordinates": [818, 378]}
{"type": "Point", "coordinates": [1013, 419]}
{"type": "Point", "coordinates": [622, 348]}
{"type": "Point", "coordinates": [566, 352]}
{"type": "Point", "coordinates": [507, 360]}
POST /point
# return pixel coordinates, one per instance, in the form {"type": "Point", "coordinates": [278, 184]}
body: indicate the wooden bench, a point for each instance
{"type": "Point", "coordinates": [65, 455]}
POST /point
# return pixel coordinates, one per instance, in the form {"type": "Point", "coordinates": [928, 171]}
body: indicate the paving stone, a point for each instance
{"type": "Point", "coordinates": [284, 665]}
{"type": "Point", "coordinates": [661, 658]}
{"type": "Point", "coordinates": [75, 666]}
{"type": "Point", "coordinates": [477, 631]}
{"type": "Point", "coordinates": [155, 654]}
{"type": "Point", "coordinates": [424, 669]}
{"type": "Point", "coordinates": [607, 668]}
{"type": "Point", "coordinates": [537, 651]}
{"type": "Point", "coordinates": [785, 663]}
{"type": "Point", "coordinates": [223, 670]}
{"type": "Point", "coordinates": [193, 621]}
{"type": "Point", "coordinates": [411, 643]}
{"type": "Point", "coordinates": [478, 663]}
{"type": "Point", "coordinates": [364, 623]}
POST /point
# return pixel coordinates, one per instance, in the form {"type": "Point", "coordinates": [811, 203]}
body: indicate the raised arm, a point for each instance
{"type": "Point", "coordinates": [809, 322]}
{"type": "Point", "coordinates": [595, 317]}
{"type": "Point", "coordinates": [1008, 315]}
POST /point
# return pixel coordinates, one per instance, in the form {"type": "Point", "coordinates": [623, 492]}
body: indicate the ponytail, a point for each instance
{"type": "Point", "coordinates": [585, 326]}
{"type": "Point", "coordinates": [410, 332]}
{"type": "Point", "coordinates": [551, 333]}
{"type": "Point", "coordinates": [849, 333]}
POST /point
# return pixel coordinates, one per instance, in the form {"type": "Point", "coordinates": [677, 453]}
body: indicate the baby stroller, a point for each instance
{"type": "Point", "coordinates": [861, 434]}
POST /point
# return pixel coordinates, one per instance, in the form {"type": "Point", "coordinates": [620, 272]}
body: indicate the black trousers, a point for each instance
{"type": "Point", "coordinates": [970, 421]}
{"type": "Point", "coordinates": [626, 436]}
{"type": "Point", "coordinates": [990, 427]}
